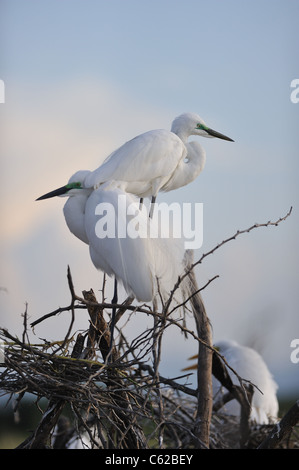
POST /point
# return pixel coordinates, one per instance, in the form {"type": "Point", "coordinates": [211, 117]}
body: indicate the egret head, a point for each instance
{"type": "Point", "coordinates": [225, 344]}
{"type": "Point", "coordinates": [191, 124]}
{"type": "Point", "coordinates": [74, 187]}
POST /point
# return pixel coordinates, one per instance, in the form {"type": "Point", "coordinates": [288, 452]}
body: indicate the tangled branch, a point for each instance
{"type": "Point", "coordinates": [125, 402]}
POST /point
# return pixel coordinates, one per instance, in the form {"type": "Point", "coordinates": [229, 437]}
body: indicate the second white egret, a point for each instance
{"type": "Point", "coordinates": [145, 265]}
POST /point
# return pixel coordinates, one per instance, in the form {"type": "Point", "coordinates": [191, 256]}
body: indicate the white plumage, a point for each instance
{"type": "Point", "coordinates": [158, 160]}
{"type": "Point", "coordinates": [145, 265]}
{"type": "Point", "coordinates": [139, 263]}
{"type": "Point", "coordinates": [249, 364]}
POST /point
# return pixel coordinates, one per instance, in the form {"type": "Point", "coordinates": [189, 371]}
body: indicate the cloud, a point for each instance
{"type": "Point", "coordinates": [50, 134]}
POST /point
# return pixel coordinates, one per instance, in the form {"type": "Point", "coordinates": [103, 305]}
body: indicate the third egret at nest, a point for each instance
{"type": "Point", "coordinates": [249, 365]}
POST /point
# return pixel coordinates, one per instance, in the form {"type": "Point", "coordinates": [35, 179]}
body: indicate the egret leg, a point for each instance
{"type": "Point", "coordinates": [153, 201]}
{"type": "Point", "coordinates": [112, 325]}
{"type": "Point", "coordinates": [140, 203]}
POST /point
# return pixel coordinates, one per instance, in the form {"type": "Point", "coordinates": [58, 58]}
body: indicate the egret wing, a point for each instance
{"type": "Point", "coordinates": [154, 154]}
{"type": "Point", "coordinates": [111, 250]}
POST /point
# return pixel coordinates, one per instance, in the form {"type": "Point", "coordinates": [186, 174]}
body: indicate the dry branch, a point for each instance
{"type": "Point", "coordinates": [126, 402]}
{"type": "Point", "coordinates": [282, 429]}
{"type": "Point", "coordinates": [204, 363]}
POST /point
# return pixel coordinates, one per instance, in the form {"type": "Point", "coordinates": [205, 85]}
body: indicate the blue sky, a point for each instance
{"type": "Point", "coordinates": [82, 77]}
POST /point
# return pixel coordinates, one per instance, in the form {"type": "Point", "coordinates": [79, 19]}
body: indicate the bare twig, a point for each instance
{"type": "Point", "coordinates": [127, 403]}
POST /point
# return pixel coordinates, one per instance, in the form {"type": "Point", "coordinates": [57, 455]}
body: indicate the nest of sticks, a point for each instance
{"type": "Point", "coordinates": [116, 398]}
{"type": "Point", "coordinates": [119, 401]}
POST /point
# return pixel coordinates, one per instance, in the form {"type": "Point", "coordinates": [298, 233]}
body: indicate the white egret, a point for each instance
{"type": "Point", "coordinates": [144, 265]}
{"type": "Point", "coordinates": [250, 366]}
{"type": "Point", "coordinates": [158, 160]}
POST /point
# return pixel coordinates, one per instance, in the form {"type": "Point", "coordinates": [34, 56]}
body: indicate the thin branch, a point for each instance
{"type": "Point", "coordinates": [193, 294]}
{"type": "Point", "coordinates": [127, 402]}
{"type": "Point", "coordinates": [282, 429]}
{"type": "Point", "coordinates": [217, 247]}
{"type": "Point", "coordinates": [241, 232]}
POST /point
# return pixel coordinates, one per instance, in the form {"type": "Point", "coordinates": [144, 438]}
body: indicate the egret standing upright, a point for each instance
{"type": "Point", "coordinates": [158, 160]}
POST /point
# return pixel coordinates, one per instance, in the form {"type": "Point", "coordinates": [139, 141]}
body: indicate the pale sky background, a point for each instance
{"type": "Point", "coordinates": [84, 76]}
